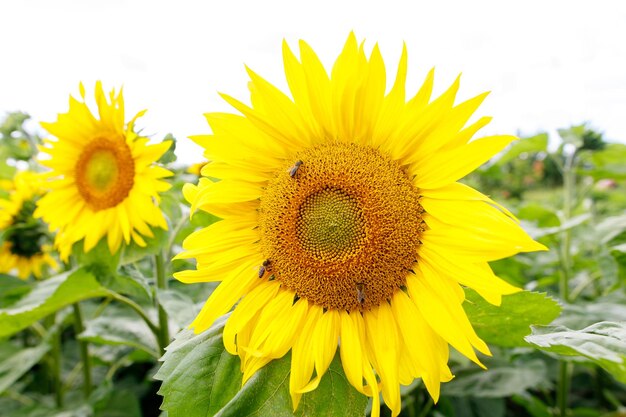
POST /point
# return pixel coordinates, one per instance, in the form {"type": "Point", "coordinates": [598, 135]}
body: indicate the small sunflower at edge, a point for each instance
{"type": "Point", "coordinates": [103, 181]}
{"type": "Point", "coordinates": [26, 244]}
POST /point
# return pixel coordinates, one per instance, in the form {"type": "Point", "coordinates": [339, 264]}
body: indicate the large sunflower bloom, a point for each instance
{"type": "Point", "coordinates": [24, 247]}
{"type": "Point", "coordinates": [104, 182]}
{"type": "Point", "coordinates": [344, 225]}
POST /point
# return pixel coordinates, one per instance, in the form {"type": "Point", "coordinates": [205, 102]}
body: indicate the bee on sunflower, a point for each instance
{"type": "Point", "coordinates": [344, 225]}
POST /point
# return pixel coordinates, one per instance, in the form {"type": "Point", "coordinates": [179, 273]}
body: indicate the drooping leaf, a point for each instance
{"type": "Point", "coordinates": [497, 381]}
{"type": "Point", "coordinates": [12, 289]}
{"type": "Point", "coordinates": [120, 326]}
{"type": "Point", "coordinates": [49, 296]}
{"type": "Point", "coordinates": [508, 324]}
{"type": "Point", "coordinates": [201, 379]}
{"type": "Point", "coordinates": [13, 367]}
{"type": "Point", "coordinates": [601, 343]}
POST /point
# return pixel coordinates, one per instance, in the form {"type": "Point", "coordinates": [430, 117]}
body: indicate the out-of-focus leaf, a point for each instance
{"type": "Point", "coordinates": [133, 284]}
{"type": "Point", "coordinates": [120, 326]}
{"type": "Point", "coordinates": [169, 155]}
{"type": "Point", "coordinates": [49, 296]}
{"type": "Point", "coordinates": [601, 343]}
{"type": "Point", "coordinates": [573, 135]}
{"type": "Point", "coordinates": [12, 289]}
{"type": "Point", "coordinates": [179, 307]}
{"type": "Point", "coordinates": [538, 213]}
{"type": "Point", "coordinates": [478, 407]}
{"type": "Point", "coordinates": [609, 162]}
{"type": "Point", "coordinates": [13, 367]}
{"type": "Point", "coordinates": [508, 324]}
{"type": "Point", "coordinates": [536, 233]}
{"type": "Point", "coordinates": [532, 404]}
{"type": "Point", "coordinates": [497, 381]}
{"type": "Point", "coordinates": [201, 379]}
{"type": "Point", "coordinates": [111, 402]}
{"type": "Point", "coordinates": [611, 227]}
{"type": "Point", "coordinates": [537, 143]}
{"type": "Point", "coordinates": [133, 252]}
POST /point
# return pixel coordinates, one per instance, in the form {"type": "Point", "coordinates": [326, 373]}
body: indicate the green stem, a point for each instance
{"type": "Point", "coordinates": [55, 360]}
{"type": "Point", "coordinates": [565, 371]}
{"type": "Point", "coordinates": [569, 182]}
{"type": "Point", "coordinates": [142, 313]}
{"type": "Point", "coordinates": [161, 284]}
{"type": "Point", "coordinates": [427, 407]}
{"type": "Point", "coordinates": [84, 349]}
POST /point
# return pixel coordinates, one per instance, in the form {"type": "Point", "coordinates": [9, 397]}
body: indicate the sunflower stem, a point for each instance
{"type": "Point", "coordinates": [161, 284]}
{"type": "Point", "coordinates": [79, 327]}
{"type": "Point", "coordinates": [55, 360]}
{"type": "Point", "coordinates": [569, 182]}
{"type": "Point", "coordinates": [427, 407]}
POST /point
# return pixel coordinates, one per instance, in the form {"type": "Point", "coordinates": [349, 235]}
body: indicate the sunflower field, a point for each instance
{"type": "Point", "coordinates": [343, 249]}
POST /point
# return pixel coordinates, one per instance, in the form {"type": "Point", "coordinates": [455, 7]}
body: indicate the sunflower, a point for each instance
{"type": "Point", "coordinates": [343, 225]}
{"type": "Point", "coordinates": [104, 181]}
{"type": "Point", "coordinates": [25, 246]}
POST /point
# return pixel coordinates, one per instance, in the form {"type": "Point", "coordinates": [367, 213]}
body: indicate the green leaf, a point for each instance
{"type": "Point", "coordinates": [179, 307]}
{"type": "Point", "coordinates": [99, 258]}
{"type": "Point", "coordinates": [121, 326]}
{"type": "Point", "coordinates": [12, 289]}
{"type": "Point", "coordinates": [497, 381]}
{"type": "Point", "coordinates": [133, 252]}
{"type": "Point", "coordinates": [201, 379]}
{"type": "Point", "coordinates": [534, 144]}
{"type": "Point", "coordinates": [610, 227]}
{"type": "Point", "coordinates": [603, 344]}
{"type": "Point", "coordinates": [13, 367]}
{"type": "Point", "coordinates": [609, 162]}
{"type": "Point", "coordinates": [49, 296]}
{"type": "Point", "coordinates": [111, 402]}
{"type": "Point", "coordinates": [508, 324]}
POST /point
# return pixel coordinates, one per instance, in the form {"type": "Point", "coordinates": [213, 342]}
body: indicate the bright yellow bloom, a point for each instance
{"type": "Point", "coordinates": [104, 181]}
{"type": "Point", "coordinates": [24, 248]}
{"type": "Point", "coordinates": [344, 225]}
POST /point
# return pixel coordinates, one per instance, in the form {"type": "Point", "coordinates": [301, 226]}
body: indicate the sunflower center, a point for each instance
{"type": "Point", "coordinates": [341, 227]}
{"type": "Point", "coordinates": [105, 173]}
{"type": "Point", "coordinates": [330, 224]}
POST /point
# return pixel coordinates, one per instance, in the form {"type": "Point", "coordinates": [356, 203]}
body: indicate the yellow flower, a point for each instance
{"type": "Point", "coordinates": [344, 225]}
{"type": "Point", "coordinates": [24, 248]}
{"type": "Point", "coordinates": [104, 182]}
{"type": "Point", "coordinates": [196, 168]}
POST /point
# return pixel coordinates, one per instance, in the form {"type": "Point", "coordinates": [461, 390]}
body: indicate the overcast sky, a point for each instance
{"type": "Point", "coordinates": [548, 64]}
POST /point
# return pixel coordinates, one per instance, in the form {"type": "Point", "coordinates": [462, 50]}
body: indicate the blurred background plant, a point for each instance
{"type": "Point", "coordinates": [571, 197]}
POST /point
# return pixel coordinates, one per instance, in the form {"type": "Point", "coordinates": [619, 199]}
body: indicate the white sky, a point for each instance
{"type": "Point", "coordinates": [548, 64]}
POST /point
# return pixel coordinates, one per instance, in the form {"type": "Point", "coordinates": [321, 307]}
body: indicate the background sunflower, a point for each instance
{"type": "Point", "coordinates": [103, 181]}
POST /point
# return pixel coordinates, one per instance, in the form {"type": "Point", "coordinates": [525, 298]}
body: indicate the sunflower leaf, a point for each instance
{"type": "Point", "coordinates": [602, 343]}
{"type": "Point", "coordinates": [47, 297]}
{"type": "Point", "coordinates": [16, 365]}
{"type": "Point", "coordinates": [500, 380]}
{"type": "Point", "coordinates": [119, 326]}
{"type": "Point", "coordinates": [201, 379]}
{"type": "Point", "coordinates": [508, 324]}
